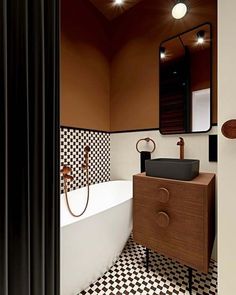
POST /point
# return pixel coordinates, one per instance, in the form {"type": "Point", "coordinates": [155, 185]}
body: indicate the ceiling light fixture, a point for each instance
{"type": "Point", "coordinates": [200, 37]}
{"type": "Point", "coordinates": [179, 10]}
{"type": "Point", "coordinates": [118, 2]}
{"type": "Point", "coordinates": [162, 52]}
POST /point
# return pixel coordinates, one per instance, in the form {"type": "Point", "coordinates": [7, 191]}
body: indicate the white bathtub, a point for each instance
{"type": "Point", "coordinates": [91, 243]}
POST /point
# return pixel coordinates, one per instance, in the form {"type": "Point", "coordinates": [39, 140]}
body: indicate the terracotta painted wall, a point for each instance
{"type": "Point", "coordinates": [136, 36]}
{"type": "Point", "coordinates": [85, 68]}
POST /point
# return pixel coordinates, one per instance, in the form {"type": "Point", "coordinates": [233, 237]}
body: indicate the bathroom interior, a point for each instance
{"type": "Point", "coordinates": [138, 83]}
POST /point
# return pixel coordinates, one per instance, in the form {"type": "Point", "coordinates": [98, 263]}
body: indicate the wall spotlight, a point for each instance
{"type": "Point", "coordinates": [162, 52]}
{"type": "Point", "coordinates": [200, 37]}
{"type": "Point", "coordinates": [179, 10]}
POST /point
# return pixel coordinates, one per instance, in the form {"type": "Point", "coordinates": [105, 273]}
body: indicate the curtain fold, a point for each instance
{"type": "Point", "coordinates": [3, 152]}
{"type": "Point", "coordinates": [29, 147]}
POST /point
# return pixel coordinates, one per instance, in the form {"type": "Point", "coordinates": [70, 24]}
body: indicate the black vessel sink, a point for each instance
{"type": "Point", "coordinates": [172, 168]}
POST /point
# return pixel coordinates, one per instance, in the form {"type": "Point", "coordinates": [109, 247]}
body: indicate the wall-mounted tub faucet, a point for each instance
{"type": "Point", "coordinates": [181, 148]}
{"type": "Point", "coordinates": [65, 173]}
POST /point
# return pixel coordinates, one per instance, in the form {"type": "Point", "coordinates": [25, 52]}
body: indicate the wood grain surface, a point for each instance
{"type": "Point", "coordinates": [229, 129]}
{"type": "Point", "coordinates": [181, 228]}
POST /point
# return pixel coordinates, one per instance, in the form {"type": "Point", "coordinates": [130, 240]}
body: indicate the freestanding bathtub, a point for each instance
{"type": "Point", "coordinates": [91, 243]}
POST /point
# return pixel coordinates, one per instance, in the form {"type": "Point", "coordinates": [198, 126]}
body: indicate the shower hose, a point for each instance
{"type": "Point", "coordinates": [67, 200]}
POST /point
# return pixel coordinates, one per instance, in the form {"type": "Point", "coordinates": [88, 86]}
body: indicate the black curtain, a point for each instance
{"type": "Point", "coordinates": [29, 147]}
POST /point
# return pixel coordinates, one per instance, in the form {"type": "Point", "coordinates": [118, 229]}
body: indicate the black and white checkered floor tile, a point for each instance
{"type": "Point", "coordinates": [128, 276]}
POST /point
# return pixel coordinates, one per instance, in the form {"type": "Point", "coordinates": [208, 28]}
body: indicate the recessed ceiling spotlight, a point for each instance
{"type": "Point", "coordinates": [200, 37]}
{"type": "Point", "coordinates": [179, 10]}
{"type": "Point", "coordinates": [118, 2]}
{"type": "Point", "coordinates": [162, 52]}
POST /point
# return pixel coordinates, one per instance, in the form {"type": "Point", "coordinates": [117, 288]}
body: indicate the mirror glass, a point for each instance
{"type": "Point", "coordinates": [185, 82]}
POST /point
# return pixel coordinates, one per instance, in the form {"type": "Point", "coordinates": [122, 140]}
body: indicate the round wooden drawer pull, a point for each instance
{"type": "Point", "coordinates": [163, 219]}
{"type": "Point", "coordinates": [163, 195]}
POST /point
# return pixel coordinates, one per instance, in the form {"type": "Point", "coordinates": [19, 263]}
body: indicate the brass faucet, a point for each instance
{"type": "Point", "coordinates": [181, 145]}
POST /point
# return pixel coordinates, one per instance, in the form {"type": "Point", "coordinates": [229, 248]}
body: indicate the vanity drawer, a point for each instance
{"type": "Point", "coordinates": [177, 235]}
{"type": "Point", "coordinates": [171, 195]}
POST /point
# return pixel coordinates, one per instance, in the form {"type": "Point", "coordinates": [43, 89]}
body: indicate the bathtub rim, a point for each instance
{"type": "Point", "coordinates": [73, 219]}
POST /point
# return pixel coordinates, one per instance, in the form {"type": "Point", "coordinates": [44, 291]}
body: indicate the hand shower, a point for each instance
{"type": "Point", "coordinates": [65, 173]}
{"type": "Point", "coordinates": [85, 165]}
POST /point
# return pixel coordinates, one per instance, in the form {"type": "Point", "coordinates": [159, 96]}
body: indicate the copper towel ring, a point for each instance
{"type": "Point", "coordinates": [147, 139]}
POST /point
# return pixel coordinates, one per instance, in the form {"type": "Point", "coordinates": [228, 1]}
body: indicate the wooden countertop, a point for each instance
{"type": "Point", "coordinates": [202, 179]}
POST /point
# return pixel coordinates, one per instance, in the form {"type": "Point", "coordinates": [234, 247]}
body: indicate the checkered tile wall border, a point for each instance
{"type": "Point", "coordinates": [73, 142]}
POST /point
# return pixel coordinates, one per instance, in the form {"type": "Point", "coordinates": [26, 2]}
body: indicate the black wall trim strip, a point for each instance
{"type": "Point", "coordinates": [135, 130]}
{"type": "Point", "coordinates": [110, 132]}
{"type": "Point", "coordinates": [122, 131]}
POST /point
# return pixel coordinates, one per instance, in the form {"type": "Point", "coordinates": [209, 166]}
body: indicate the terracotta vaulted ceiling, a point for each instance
{"type": "Point", "coordinates": [107, 8]}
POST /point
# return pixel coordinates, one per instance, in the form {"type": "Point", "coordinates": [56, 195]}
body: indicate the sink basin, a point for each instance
{"type": "Point", "coordinates": [172, 168]}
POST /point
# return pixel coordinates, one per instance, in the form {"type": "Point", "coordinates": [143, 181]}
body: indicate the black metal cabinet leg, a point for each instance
{"type": "Point", "coordinates": [190, 280]}
{"type": "Point", "coordinates": [147, 259]}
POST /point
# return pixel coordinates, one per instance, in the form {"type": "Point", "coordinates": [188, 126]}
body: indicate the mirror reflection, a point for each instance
{"type": "Point", "coordinates": [185, 82]}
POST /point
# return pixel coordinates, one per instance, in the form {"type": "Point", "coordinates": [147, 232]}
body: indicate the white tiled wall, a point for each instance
{"type": "Point", "coordinates": [125, 160]}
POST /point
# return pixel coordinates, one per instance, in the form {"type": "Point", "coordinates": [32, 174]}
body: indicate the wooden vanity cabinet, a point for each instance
{"type": "Point", "coordinates": [176, 218]}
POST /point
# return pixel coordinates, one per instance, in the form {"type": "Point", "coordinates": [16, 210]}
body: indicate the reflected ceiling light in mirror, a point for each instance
{"type": "Point", "coordinates": [179, 10]}
{"type": "Point", "coordinates": [200, 37]}
{"type": "Point", "coordinates": [162, 52]}
{"type": "Point", "coordinates": [119, 2]}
